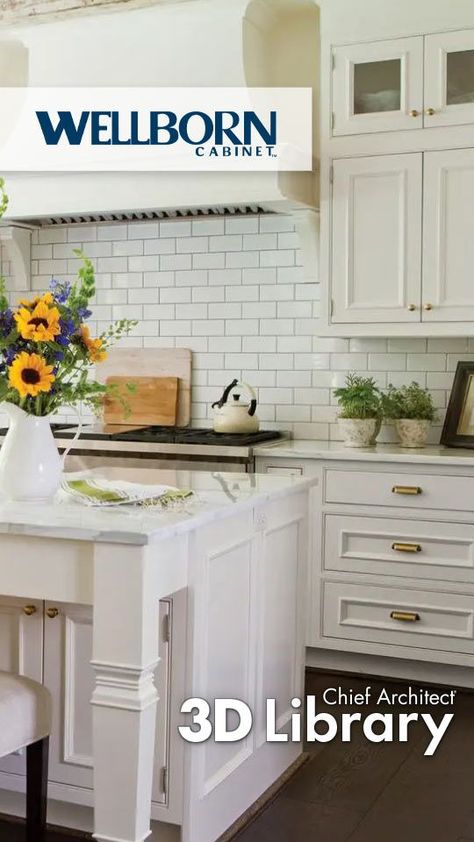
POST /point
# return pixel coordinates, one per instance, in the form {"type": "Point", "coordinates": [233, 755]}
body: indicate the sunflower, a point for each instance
{"type": "Point", "coordinates": [29, 374]}
{"type": "Point", "coordinates": [47, 298]}
{"type": "Point", "coordinates": [95, 347]}
{"type": "Point", "coordinates": [41, 324]}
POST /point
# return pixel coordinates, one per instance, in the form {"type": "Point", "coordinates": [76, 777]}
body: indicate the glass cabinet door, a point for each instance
{"type": "Point", "coordinates": [449, 78]}
{"type": "Point", "coordinates": [378, 86]}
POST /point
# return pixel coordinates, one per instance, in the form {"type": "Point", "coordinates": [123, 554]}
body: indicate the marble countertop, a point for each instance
{"type": "Point", "coordinates": [216, 495]}
{"type": "Point", "coordinates": [313, 449]}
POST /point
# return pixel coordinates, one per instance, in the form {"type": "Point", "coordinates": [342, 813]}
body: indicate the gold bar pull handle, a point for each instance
{"type": "Point", "coordinates": [406, 548]}
{"type": "Point", "coordinates": [407, 489]}
{"type": "Point", "coordinates": [405, 616]}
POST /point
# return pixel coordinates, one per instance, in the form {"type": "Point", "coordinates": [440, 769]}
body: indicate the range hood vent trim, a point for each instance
{"type": "Point", "coordinates": [147, 216]}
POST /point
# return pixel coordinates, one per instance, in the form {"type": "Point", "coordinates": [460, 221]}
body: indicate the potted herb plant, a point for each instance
{"type": "Point", "coordinates": [412, 410]}
{"type": "Point", "coordinates": [360, 415]}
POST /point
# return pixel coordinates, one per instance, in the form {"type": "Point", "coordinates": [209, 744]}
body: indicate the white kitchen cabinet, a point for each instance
{"type": "Point", "coordinates": [60, 658]}
{"type": "Point", "coordinates": [449, 78]}
{"type": "Point", "coordinates": [21, 651]}
{"type": "Point", "coordinates": [378, 87]}
{"type": "Point", "coordinates": [448, 242]}
{"type": "Point", "coordinates": [403, 83]}
{"type": "Point", "coordinates": [376, 239]}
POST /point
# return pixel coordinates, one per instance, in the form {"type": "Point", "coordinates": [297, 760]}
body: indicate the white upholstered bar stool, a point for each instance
{"type": "Point", "coordinates": [25, 722]}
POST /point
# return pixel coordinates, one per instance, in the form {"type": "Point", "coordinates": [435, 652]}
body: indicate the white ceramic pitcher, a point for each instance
{"type": "Point", "coordinates": [30, 464]}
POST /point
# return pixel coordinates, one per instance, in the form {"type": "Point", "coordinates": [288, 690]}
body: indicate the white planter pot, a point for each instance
{"type": "Point", "coordinates": [412, 432]}
{"type": "Point", "coordinates": [359, 432]}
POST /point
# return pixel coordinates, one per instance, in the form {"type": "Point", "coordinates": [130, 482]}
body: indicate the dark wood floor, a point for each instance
{"type": "Point", "coordinates": [368, 792]}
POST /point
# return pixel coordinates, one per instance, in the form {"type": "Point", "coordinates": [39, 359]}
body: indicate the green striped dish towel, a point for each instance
{"type": "Point", "coordinates": [102, 492]}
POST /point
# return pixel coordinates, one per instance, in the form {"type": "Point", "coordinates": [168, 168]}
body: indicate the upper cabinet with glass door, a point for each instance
{"type": "Point", "coordinates": [378, 87]}
{"type": "Point", "coordinates": [404, 83]}
{"type": "Point", "coordinates": [449, 78]}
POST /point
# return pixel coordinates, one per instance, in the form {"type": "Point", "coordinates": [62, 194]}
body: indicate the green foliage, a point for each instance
{"type": "Point", "coordinates": [359, 398]}
{"type": "Point", "coordinates": [408, 402]}
{"type": "Point", "coordinates": [3, 209]}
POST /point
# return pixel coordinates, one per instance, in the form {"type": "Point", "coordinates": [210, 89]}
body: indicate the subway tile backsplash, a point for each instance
{"type": "Point", "coordinates": [232, 289]}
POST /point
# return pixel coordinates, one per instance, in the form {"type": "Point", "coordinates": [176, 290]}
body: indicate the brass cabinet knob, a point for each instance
{"type": "Point", "coordinates": [52, 612]}
{"type": "Point", "coordinates": [427, 306]}
{"type": "Point", "coordinates": [430, 111]}
{"type": "Point", "coordinates": [412, 307]}
{"type": "Point", "coordinates": [29, 610]}
{"type": "Point", "coordinates": [414, 113]}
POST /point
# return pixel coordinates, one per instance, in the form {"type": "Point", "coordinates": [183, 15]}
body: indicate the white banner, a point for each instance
{"type": "Point", "coordinates": [151, 129]}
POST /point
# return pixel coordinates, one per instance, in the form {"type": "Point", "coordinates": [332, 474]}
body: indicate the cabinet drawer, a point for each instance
{"type": "Point", "coordinates": [392, 547]}
{"type": "Point", "coordinates": [423, 619]}
{"type": "Point", "coordinates": [400, 490]}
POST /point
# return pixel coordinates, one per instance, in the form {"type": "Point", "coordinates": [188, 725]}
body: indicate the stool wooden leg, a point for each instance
{"type": "Point", "coordinates": [36, 790]}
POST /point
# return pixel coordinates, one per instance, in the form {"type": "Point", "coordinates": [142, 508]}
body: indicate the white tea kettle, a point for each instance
{"type": "Point", "coordinates": [236, 416]}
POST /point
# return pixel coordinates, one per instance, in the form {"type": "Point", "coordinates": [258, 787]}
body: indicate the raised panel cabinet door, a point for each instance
{"type": "Point", "coordinates": [448, 242]}
{"type": "Point", "coordinates": [21, 651]}
{"type": "Point", "coordinates": [376, 239]}
{"type": "Point", "coordinates": [69, 676]}
{"type": "Point", "coordinates": [377, 87]}
{"type": "Point", "coordinates": [449, 78]}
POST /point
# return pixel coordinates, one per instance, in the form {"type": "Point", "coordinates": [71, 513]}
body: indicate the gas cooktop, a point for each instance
{"type": "Point", "coordinates": [166, 435]}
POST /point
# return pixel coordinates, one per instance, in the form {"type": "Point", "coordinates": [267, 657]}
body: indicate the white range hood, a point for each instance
{"type": "Point", "coordinates": [198, 42]}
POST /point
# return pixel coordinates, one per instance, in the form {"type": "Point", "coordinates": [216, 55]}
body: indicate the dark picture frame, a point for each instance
{"type": "Point", "coordinates": [458, 430]}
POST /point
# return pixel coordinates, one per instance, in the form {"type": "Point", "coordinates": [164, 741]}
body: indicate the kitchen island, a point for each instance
{"type": "Point", "coordinates": [237, 549]}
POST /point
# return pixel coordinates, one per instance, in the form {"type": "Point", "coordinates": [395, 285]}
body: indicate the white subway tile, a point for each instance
{"type": "Point", "coordinates": [171, 328]}
{"type": "Point", "coordinates": [293, 413]}
{"type": "Point", "coordinates": [277, 292]}
{"type": "Point", "coordinates": [242, 259]}
{"type": "Point", "coordinates": [208, 327]}
{"type": "Point", "coordinates": [277, 327]}
{"type": "Point", "coordinates": [193, 277]}
{"type": "Point", "coordinates": [52, 235]}
{"type": "Point", "coordinates": [293, 275]}
{"type": "Point", "coordinates": [304, 292]}
{"type": "Point", "coordinates": [452, 361]}
{"type": "Point", "coordinates": [276, 361]}
{"type": "Point", "coordinates": [277, 257]}
{"type": "Point", "coordinates": [192, 244]}
{"type": "Point", "coordinates": [205, 227]}
{"type": "Point", "coordinates": [232, 344]}
{"type": "Point", "coordinates": [126, 311]}
{"type": "Point", "coordinates": [294, 378]}
{"type": "Point", "coordinates": [210, 294]}
{"type": "Point", "coordinates": [228, 242]}
{"type": "Point", "coordinates": [241, 327]}
{"type": "Point", "coordinates": [330, 344]}
{"type": "Point", "coordinates": [426, 362]}
{"type": "Point", "coordinates": [402, 378]}
{"type": "Point", "coordinates": [163, 245]}
{"type": "Point", "coordinates": [259, 276]}
{"type": "Point", "coordinates": [258, 378]}
{"type": "Point", "coordinates": [175, 228]}
{"type": "Point", "coordinates": [225, 276]}
{"type": "Point", "coordinates": [240, 361]}
{"type": "Point", "coordinates": [447, 345]}
{"type": "Point", "coordinates": [259, 242]}
{"type": "Point", "coordinates": [175, 262]}
{"type": "Point", "coordinates": [208, 260]}
{"type": "Point", "coordinates": [294, 344]}
{"type": "Point", "coordinates": [98, 249]}
{"type": "Point", "coordinates": [393, 362]}
{"type": "Point", "coordinates": [144, 296]}
{"type": "Point", "coordinates": [84, 233]}
{"type": "Point", "coordinates": [196, 344]}
{"type": "Point", "coordinates": [174, 295]}
{"type": "Point", "coordinates": [107, 232]}
{"type": "Point", "coordinates": [128, 279]}
{"type": "Point", "coordinates": [312, 396]}
{"type": "Point", "coordinates": [161, 311]}
{"type": "Point", "coordinates": [52, 267]}
{"type": "Point", "coordinates": [375, 345]}
{"type": "Point", "coordinates": [276, 222]}
{"type": "Point", "coordinates": [241, 225]}
{"type": "Point", "coordinates": [111, 296]}
{"type": "Point", "coordinates": [349, 362]}
{"type": "Point", "coordinates": [439, 380]}
{"type": "Point", "coordinates": [209, 361]}
{"type": "Point", "coordinates": [405, 345]}
{"type": "Point", "coordinates": [259, 310]}
{"type": "Point", "coordinates": [139, 263]}
{"type": "Point", "coordinates": [45, 252]}
{"type": "Point", "coordinates": [127, 248]}
{"type": "Point", "coordinates": [276, 395]}
{"type": "Point", "coordinates": [191, 311]}
{"type": "Point", "coordinates": [158, 279]}
{"type": "Point", "coordinates": [143, 230]}
{"type": "Point", "coordinates": [225, 311]}
{"type": "Point", "coordinates": [242, 293]}
{"type": "Point", "coordinates": [293, 309]}
{"type": "Point", "coordinates": [288, 240]}
{"type": "Point", "coordinates": [264, 344]}
{"type": "Point", "coordinates": [306, 327]}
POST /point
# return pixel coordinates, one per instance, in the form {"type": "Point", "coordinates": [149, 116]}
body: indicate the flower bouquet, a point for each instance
{"type": "Point", "coordinates": [46, 354]}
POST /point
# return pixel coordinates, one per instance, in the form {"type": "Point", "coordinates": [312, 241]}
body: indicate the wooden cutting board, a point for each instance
{"type": "Point", "coordinates": [153, 401]}
{"type": "Point", "coordinates": [153, 362]}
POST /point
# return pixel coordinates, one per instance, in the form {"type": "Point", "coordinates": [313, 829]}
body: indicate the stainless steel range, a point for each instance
{"type": "Point", "coordinates": [182, 448]}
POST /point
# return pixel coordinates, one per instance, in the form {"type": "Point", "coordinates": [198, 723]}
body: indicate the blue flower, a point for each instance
{"type": "Point", "coordinates": [59, 356]}
{"type": "Point", "coordinates": [62, 340]}
{"type": "Point", "coordinates": [61, 290]}
{"type": "Point", "coordinates": [84, 313]}
{"type": "Point", "coordinates": [67, 326]}
{"type": "Point", "coordinates": [6, 322]}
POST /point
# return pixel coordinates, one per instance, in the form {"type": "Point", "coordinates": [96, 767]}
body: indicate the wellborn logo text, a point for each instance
{"type": "Point", "coordinates": [157, 130]}
{"type": "Point", "coordinates": [222, 133]}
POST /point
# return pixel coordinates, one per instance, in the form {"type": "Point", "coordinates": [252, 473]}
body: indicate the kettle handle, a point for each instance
{"type": "Point", "coordinates": [220, 403]}
{"type": "Point", "coordinates": [253, 398]}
